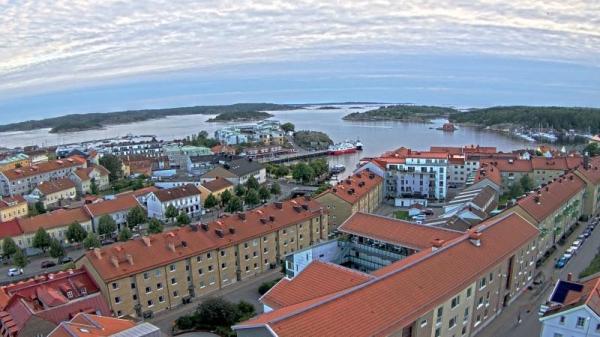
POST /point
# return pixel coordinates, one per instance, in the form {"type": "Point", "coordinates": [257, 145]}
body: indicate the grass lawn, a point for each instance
{"type": "Point", "coordinates": [402, 215]}
{"type": "Point", "coordinates": [592, 268]}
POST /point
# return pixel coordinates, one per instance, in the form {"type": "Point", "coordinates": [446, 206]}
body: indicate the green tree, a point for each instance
{"type": "Point", "coordinates": [252, 183]}
{"type": "Point", "coordinates": [211, 201]}
{"type": "Point", "coordinates": [136, 216]}
{"type": "Point", "coordinates": [94, 187]}
{"type": "Point", "coordinates": [264, 193]}
{"type": "Point", "coordinates": [91, 241]}
{"type": "Point", "coordinates": [592, 149]}
{"type": "Point", "coordinates": [322, 188]}
{"type": "Point", "coordinates": [106, 225]}
{"type": "Point", "coordinates": [234, 205]}
{"type": "Point", "coordinates": [40, 208]}
{"type": "Point", "coordinates": [526, 182]}
{"type": "Point", "coordinates": [275, 188]}
{"type": "Point", "coordinates": [515, 190]}
{"type": "Point", "coordinates": [252, 198]}
{"type": "Point", "coordinates": [137, 184]}
{"type": "Point", "coordinates": [155, 226]}
{"type": "Point", "coordinates": [41, 239]}
{"type": "Point", "coordinates": [303, 173]}
{"type": "Point", "coordinates": [114, 165]}
{"type": "Point", "coordinates": [281, 171]}
{"type": "Point", "coordinates": [20, 260]}
{"type": "Point", "coordinates": [76, 232]}
{"type": "Point", "coordinates": [319, 166]}
{"type": "Point", "coordinates": [171, 212]}
{"type": "Point", "coordinates": [225, 197]}
{"type": "Point", "coordinates": [56, 249]}
{"type": "Point", "coordinates": [217, 312]}
{"type": "Point", "coordinates": [288, 127]}
{"type": "Point", "coordinates": [9, 247]}
{"type": "Point", "coordinates": [125, 234]}
{"type": "Point", "coordinates": [240, 191]}
{"type": "Point", "coordinates": [183, 219]}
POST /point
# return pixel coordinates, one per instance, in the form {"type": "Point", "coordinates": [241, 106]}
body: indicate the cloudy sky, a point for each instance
{"type": "Point", "coordinates": [60, 56]}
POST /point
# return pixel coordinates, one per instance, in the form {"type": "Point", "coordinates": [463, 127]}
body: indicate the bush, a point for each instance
{"type": "Point", "coordinates": [266, 286]}
{"type": "Point", "coordinates": [185, 323]}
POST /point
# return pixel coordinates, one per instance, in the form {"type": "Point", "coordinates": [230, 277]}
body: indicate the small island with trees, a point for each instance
{"type": "Point", "coordinates": [312, 140]}
{"type": "Point", "coordinates": [240, 116]}
{"type": "Point", "coordinates": [404, 113]}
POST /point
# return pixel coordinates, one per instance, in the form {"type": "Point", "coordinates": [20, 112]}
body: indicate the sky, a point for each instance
{"type": "Point", "coordinates": [59, 57]}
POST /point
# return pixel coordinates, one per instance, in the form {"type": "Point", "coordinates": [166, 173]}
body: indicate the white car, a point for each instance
{"type": "Point", "coordinates": [571, 250]}
{"type": "Point", "coordinates": [576, 243]}
{"type": "Point", "coordinates": [15, 271]}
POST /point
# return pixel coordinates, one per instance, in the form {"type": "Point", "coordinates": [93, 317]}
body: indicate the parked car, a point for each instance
{"type": "Point", "coordinates": [65, 259]}
{"type": "Point", "coordinates": [587, 233]}
{"type": "Point", "coordinates": [107, 242]}
{"type": "Point", "coordinates": [48, 264]}
{"type": "Point", "coordinates": [576, 243]}
{"type": "Point", "coordinates": [15, 271]}
{"type": "Point", "coordinates": [561, 262]}
{"type": "Point", "coordinates": [581, 237]}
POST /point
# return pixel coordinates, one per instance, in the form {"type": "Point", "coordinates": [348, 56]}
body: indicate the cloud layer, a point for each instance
{"type": "Point", "coordinates": [45, 45]}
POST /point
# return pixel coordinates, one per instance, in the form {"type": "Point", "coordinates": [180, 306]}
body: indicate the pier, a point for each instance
{"type": "Point", "coordinates": [293, 157]}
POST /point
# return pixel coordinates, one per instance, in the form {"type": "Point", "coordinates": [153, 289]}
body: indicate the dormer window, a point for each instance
{"type": "Point", "coordinates": [69, 294]}
{"type": "Point", "coordinates": [83, 291]}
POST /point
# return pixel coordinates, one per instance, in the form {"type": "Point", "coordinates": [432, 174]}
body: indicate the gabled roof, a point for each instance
{"type": "Point", "coordinates": [55, 186]}
{"type": "Point", "coordinates": [490, 172]}
{"type": "Point", "coordinates": [356, 186]}
{"type": "Point", "coordinates": [242, 167]}
{"type": "Point", "coordinates": [510, 165]}
{"type": "Point", "coordinates": [217, 184]}
{"type": "Point", "coordinates": [569, 294]}
{"type": "Point", "coordinates": [559, 163]}
{"type": "Point", "coordinates": [548, 199]}
{"type": "Point", "coordinates": [119, 204]}
{"type": "Point", "coordinates": [410, 289]}
{"type": "Point", "coordinates": [178, 192]}
{"type": "Point", "coordinates": [318, 279]}
{"type": "Point", "coordinates": [218, 172]}
{"type": "Point", "coordinates": [58, 218]}
{"type": "Point", "coordinates": [592, 171]}
{"type": "Point", "coordinates": [84, 173]}
{"type": "Point", "coordinates": [8, 202]}
{"type": "Point", "coordinates": [10, 229]}
{"type": "Point", "coordinates": [33, 170]}
{"type": "Point", "coordinates": [395, 231]}
{"type": "Point", "coordinates": [86, 325]}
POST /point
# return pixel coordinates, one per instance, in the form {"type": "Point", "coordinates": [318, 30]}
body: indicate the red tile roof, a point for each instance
{"type": "Point", "coordinates": [54, 186]}
{"type": "Point", "coordinates": [58, 218]}
{"type": "Point", "coordinates": [560, 163]}
{"type": "Point", "coordinates": [217, 184]}
{"type": "Point", "coordinates": [7, 202]}
{"type": "Point", "coordinates": [592, 172]}
{"type": "Point", "coordinates": [317, 279]}
{"type": "Point", "coordinates": [488, 171]}
{"type": "Point", "coordinates": [175, 193]}
{"type": "Point", "coordinates": [10, 228]}
{"type": "Point", "coordinates": [86, 325]}
{"type": "Point", "coordinates": [395, 231]}
{"type": "Point", "coordinates": [119, 204]}
{"type": "Point", "coordinates": [84, 173]}
{"type": "Point", "coordinates": [353, 188]}
{"type": "Point", "coordinates": [409, 290]}
{"type": "Point", "coordinates": [54, 165]}
{"type": "Point", "coordinates": [548, 199]}
{"type": "Point", "coordinates": [510, 165]}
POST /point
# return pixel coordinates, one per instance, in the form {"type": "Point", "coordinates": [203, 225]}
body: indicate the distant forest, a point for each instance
{"type": "Point", "coordinates": [240, 116]}
{"type": "Point", "coordinates": [418, 113]}
{"type": "Point", "coordinates": [80, 122]}
{"type": "Point", "coordinates": [559, 118]}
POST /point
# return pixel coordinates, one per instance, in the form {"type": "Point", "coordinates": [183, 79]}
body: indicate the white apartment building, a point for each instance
{"type": "Point", "coordinates": [184, 198]}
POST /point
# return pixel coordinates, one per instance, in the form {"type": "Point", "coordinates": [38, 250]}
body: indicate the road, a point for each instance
{"type": "Point", "coordinates": [246, 290]}
{"type": "Point", "coordinates": [526, 306]}
{"type": "Point", "coordinates": [34, 267]}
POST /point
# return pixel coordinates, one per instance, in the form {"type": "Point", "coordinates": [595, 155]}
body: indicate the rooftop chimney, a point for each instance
{"type": "Point", "coordinates": [271, 218]}
{"type": "Point", "coordinates": [231, 230]}
{"type": "Point", "coordinates": [146, 241]}
{"type": "Point", "coordinates": [114, 261]}
{"type": "Point", "coordinates": [437, 243]}
{"type": "Point", "coordinates": [475, 238]}
{"type": "Point", "coordinates": [129, 259]}
{"type": "Point", "coordinates": [242, 216]}
{"type": "Point", "coordinates": [537, 199]}
{"type": "Point", "coordinates": [263, 220]}
{"type": "Point", "coordinates": [219, 232]}
{"type": "Point", "coordinates": [98, 253]}
{"type": "Point", "coordinates": [204, 226]}
{"type": "Point", "coordinates": [279, 204]}
{"type": "Point", "coordinates": [171, 246]}
{"type": "Point", "coordinates": [569, 276]}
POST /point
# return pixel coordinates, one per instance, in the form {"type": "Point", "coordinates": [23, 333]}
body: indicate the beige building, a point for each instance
{"type": "Point", "coordinates": [215, 187]}
{"type": "Point", "coordinates": [12, 208]}
{"type": "Point", "coordinates": [83, 177]}
{"type": "Point", "coordinates": [590, 173]}
{"type": "Point", "coordinates": [162, 271]}
{"type": "Point", "coordinates": [361, 192]}
{"type": "Point", "coordinates": [14, 161]}
{"type": "Point", "coordinates": [56, 192]}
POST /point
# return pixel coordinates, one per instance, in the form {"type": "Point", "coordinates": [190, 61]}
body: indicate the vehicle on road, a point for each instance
{"type": "Point", "coordinates": [577, 243]}
{"type": "Point", "coordinates": [65, 259]}
{"type": "Point", "coordinates": [48, 264]}
{"type": "Point", "coordinates": [15, 271]}
{"type": "Point", "coordinates": [572, 250]}
{"type": "Point", "coordinates": [587, 233]}
{"type": "Point", "coordinates": [107, 242]}
{"type": "Point", "coordinates": [561, 262]}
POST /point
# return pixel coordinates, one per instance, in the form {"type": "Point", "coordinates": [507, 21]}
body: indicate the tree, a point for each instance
{"type": "Point", "coordinates": [56, 249]}
{"type": "Point", "coordinates": [41, 239]}
{"type": "Point", "coordinates": [225, 197]}
{"type": "Point", "coordinates": [319, 166]}
{"type": "Point", "coordinates": [240, 191]}
{"type": "Point", "coordinates": [515, 190]}
{"type": "Point", "coordinates": [211, 201]}
{"type": "Point", "coordinates": [217, 312]}
{"type": "Point", "coordinates": [183, 219]}
{"type": "Point", "coordinates": [94, 187]}
{"type": "Point", "coordinates": [252, 183]}
{"type": "Point", "coordinates": [592, 149]}
{"type": "Point", "coordinates": [264, 193]}
{"type": "Point", "coordinates": [106, 225]}
{"type": "Point", "coordinates": [526, 182]}
{"type": "Point", "coordinates": [234, 205]}
{"type": "Point", "coordinates": [40, 208]}
{"type": "Point", "coordinates": [125, 234]}
{"type": "Point", "coordinates": [275, 188]}
{"type": "Point", "coordinates": [322, 188]}
{"type": "Point", "coordinates": [91, 241]}
{"type": "Point", "coordinates": [252, 198]}
{"type": "Point", "coordinates": [171, 212]}
{"type": "Point", "coordinates": [114, 165]}
{"type": "Point", "coordinates": [303, 173]}
{"type": "Point", "coordinates": [20, 260]}
{"type": "Point", "coordinates": [9, 247]}
{"type": "Point", "coordinates": [75, 232]}
{"type": "Point", "coordinates": [288, 127]}
{"type": "Point", "coordinates": [155, 226]}
{"type": "Point", "coordinates": [281, 171]}
{"type": "Point", "coordinates": [136, 216]}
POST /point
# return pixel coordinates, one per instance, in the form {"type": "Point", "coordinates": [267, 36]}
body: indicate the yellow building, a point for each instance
{"type": "Point", "coordinates": [12, 208]}
{"type": "Point", "coordinates": [55, 192]}
{"type": "Point", "coordinates": [215, 187]}
{"type": "Point", "coordinates": [361, 192]}
{"type": "Point", "coordinates": [15, 161]}
{"type": "Point", "coordinates": [161, 271]}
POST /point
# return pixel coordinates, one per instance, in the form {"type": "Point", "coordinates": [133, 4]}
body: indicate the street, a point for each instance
{"type": "Point", "coordinates": [527, 305]}
{"type": "Point", "coordinates": [34, 268]}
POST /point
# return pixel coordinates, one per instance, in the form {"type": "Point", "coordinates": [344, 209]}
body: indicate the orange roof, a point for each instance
{"type": "Point", "coordinates": [395, 231]}
{"type": "Point", "coordinates": [491, 172]}
{"type": "Point", "coordinates": [84, 172]}
{"type": "Point", "coordinates": [54, 186]}
{"type": "Point", "coordinates": [592, 172]}
{"type": "Point", "coordinates": [86, 325]}
{"type": "Point", "coordinates": [192, 240]}
{"type": "Point", "coordinates": [10, 228]}
{"type": "Point", "coordinates": [510, 165]}
{"type": "Point", "coordinates": [217, 184]}
{"type": "Point", "coordinates": [548, 199]}
{"type": "Point", "coordinates": [178, 192]}
{"type": "Point", "coordinates": [119, 204]}
{"type": "Point", "coordinates": [58, 218]}
{"type": "Point", "coordinates": [356, 186]}
{"type": "Point", "coordinates": [466, 149]}
{"type": "Point", "coordinates": [409, 290]}
{"type": "Point", "coordinates": [560, 163]}
{"type": "Point", "coordinates": [54, 165]}
{"type": "Point", "coordinates": [317, 279]}
{"type": "Point", "coordinates": [7, 202]}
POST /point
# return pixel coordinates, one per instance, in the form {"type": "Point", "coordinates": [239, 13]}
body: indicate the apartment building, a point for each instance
{"type": "Point", "coordinates": [158, 272]}
{"type": "Point", "coordinates": [12, 208]}
{"type": "Point", "coordinates": [142, 146]}
{"type": "Point", "coordinates": [55, 193]}
{"type": "Point", "coordinates": [360, 192]}
{"type": "Point", "coordinates": [589, 171]}
{"type": "Point", "coordinates": [116, 208]}
{"type": "Point", "coordinates": [20, 181]}
{"type": "Point", "coordinates": [215, 187]}
{"type": "Point", "coordinates": [10, 162]}
{"type": "Point", "coordinates": [84, 176]}
{"type": "Point", "coordinates": [185, 199]}
{"type": "Point", "coordinates": [86, 325]}
{"type": "Point", "coordinates": [546, 169]}
{"type": "Point", "coordinates": [441, 291]}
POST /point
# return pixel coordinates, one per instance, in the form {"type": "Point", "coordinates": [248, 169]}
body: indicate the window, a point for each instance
{"type": "Point", "coordinates": [222, 253]}
{"type": "Point", "coordinates": [69, 294]}
{"type": "Point", "coordinates": [482, 283]}
{"type": "Point", "coordinates": [440, 312]}
{"type": "Point", "coordinates": [148, 289]}
{"type": "Point", "coordinates": [157, 272]}
{"type": "Point", "coordinates": [562, 320]}
{"type": "Point", "coordinates": [198, 258]}
{"type": "Point", "coordinates": [175, 294]}
{"type": "Point", "coordinates": [452, 322]}
{"type": "Point", "coordinates": [423, 323]}
{"type": "Point", "coordinates": [210, 268]}
{"type": "Point", "coordinates": [132, 285]}
{"type": "Point", "coordinates": [146, 276]}
{"type": "Point", "coordinates": [150, 303]}
{"type": "Point", "coordinates": [455, 302]}
{"type": "Point", "coordinates": [208, 255]}
{"type": "Point", "coordinates": [491, 277]}
{"type": "Point", "coordinates": [134, 297]}
{"type": "Point", "coordinates": [172, 267]}
{"type": "Point", "coordinates": [115, 285]}
{"type": "Point", "coordinates": [223, 265]}
{"type": "Point", "coordinates": [161, 299]}
{"type": "Point", "coordinates": [580, 322]}
{"type": "Point", "coordinates": [466, 313]}
{"type": "Point", "coordinates": [438, 332]}
{"type": "Point", "coordinates": [117, 299]}
{"type": "Point", "coordinates": [469, 291]}
{"type": "Point", "coordinates": [200, 271]}
{"type": "Point", "coordinates": [159, 286]}
{"type": "Point", "coordinates": [173, 281]}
